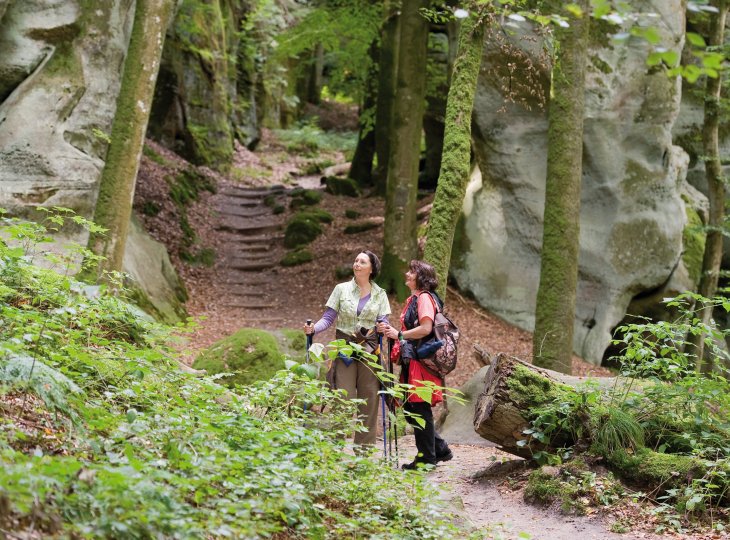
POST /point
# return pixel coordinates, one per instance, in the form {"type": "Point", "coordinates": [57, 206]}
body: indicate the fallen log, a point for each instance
{"type": "Point", "coordinates": [513, 389]}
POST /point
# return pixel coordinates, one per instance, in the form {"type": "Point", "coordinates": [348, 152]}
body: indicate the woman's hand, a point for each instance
{"type": "Point", "coordinates": [309, 329]}
{"type": "Point", "coordinates": [387, 330]}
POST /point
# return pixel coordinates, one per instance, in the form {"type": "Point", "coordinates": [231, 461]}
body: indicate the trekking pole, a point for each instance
{"type": "Point", "coordinates": [394, 411]}
{"type": "Point", "coordinates": [382, 393]}
{"type": "Point", "coordinates": [309, 341]}
{"type": "Point", "coordinates": [306, 354]}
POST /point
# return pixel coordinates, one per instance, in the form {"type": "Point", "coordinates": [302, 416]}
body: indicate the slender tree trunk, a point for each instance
{"type": "Point", "coordinates": [116, 188]}
{"type": "Point", "coordinates": [455, 160]}
{"type": "Point", "coordinates": [715, 186]}
{"type": "Point", "coordinates": [388, 71]}
{"type": "Point", "coordinates": [399, 238]}
{"type": "Point", "coordinates": [552, 345]}
{"type": "Point", "coordinates": [361, 169]}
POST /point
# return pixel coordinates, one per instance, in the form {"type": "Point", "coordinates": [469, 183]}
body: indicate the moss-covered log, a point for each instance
{"type": "Point", "coordinates": [513, 389]}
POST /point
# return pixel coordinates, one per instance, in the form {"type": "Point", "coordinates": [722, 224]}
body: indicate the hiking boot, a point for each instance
{"type": "Point", "coordinates": [448, 456]}
{"type": "Point", "coordinates": [416, 464]}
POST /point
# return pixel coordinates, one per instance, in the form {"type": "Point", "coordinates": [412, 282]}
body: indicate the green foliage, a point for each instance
{"type": "Point", "coordinates": [122, 444]}
{"type": "Point", "coordinates": [249, 354]}
{"type": "Point", "coordinates": [309, 140]}
{"type": "Point", "coordinates": [351, 214]}
{"type": "Point", "coordinates": [345, 30]}
{"type": "Point", "coordinates": [149, 152]}
{"type": "Point", "coordinates": [662, 424]}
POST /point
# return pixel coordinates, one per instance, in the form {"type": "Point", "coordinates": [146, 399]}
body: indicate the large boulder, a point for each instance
{"type": "Point", "coordinates": [203, 99]}
{"type": "Point", "coordinates": [632, 213]}
{"type": "Point", "coordinates": [154, 284]}
{"type": "Point", "coordinates": [60, 65]}
{"type": "Point", "coordinates": [249, 355]}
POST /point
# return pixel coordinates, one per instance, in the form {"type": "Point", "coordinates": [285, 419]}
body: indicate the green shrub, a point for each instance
{"type": "Point", "coordinates": [250, 354]}
{"type": "Point", "coordinates": [352, 214]}
{"type": "Point", "coordinates": [322, 216]}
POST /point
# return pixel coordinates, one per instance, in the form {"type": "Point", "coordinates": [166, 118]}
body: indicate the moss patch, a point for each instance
{"type": "Point", "coordinates": [297, 257]}
{"type": "Point", "coordinates": [356, 228]}
{"type": "Point", "coordinates": [693, 239]}
{"type": "Point", "coordinates": [251, 354]}
{"type": "Point", "coordinates": [649, 468]}
{"type": "Point", "coordinates": [342, 186]}
{"type": "Point", "coordinates": [529, 389]}
{"type": "Point", "coordinates": [306, 197]}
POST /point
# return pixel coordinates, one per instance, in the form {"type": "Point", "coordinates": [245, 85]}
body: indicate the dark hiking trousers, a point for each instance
{"type": "Point", "coordinates": [430, 445]}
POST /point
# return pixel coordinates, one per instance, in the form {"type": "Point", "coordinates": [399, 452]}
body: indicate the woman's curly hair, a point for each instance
{"type": "Point", "coordinates": [425, 275]}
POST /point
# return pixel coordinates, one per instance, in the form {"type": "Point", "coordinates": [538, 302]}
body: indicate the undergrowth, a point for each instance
{"type": "Point", "coordinates": [663, 427]}
{"type": "Point", "coordinates": [102, 435]}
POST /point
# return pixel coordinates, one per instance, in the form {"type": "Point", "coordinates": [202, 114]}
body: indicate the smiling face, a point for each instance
{"type": "Point", "coordinates": [362, 267]}
{"type": "Point", "coordinates": [411, 280]}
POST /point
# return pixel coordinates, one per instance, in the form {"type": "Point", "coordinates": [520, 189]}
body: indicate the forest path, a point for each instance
{"type": "Point", "coordinates": [250, 240]}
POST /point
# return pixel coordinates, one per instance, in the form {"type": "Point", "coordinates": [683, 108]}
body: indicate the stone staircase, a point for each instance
{"type": "Point", "coordinates": [251, 252]}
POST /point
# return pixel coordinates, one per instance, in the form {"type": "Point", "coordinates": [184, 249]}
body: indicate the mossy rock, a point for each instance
{"type": "Point", "coordinates": [343, 272]}
{"type": "Point", "coordinates": [357, 228]}
{"type": "Point", "coordinates": [251, 354]}
{"type": "Point", "coordinates": [322, 216]}
{"type": "Point", "coordinates": [306, 197]}
{"type": "Point", "coordinates": [297, 257]}
{"type": "Point", "coordinates": [278, 209]}
{"type": "Point", "coordinates": [342, 186]}
{"type": "Point", "coordinates": [301, 230]}
{"type": "Point", "coordinates": [352, 214]}
{"type": "Point", "coordinates": [652, 469]}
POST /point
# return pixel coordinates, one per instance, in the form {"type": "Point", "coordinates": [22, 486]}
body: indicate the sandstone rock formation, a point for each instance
{"type": "Point", "coordinates": [632, 216]}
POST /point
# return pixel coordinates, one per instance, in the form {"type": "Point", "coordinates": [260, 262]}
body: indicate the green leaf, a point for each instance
{"type": "Point", "coordinates": [696, 39]}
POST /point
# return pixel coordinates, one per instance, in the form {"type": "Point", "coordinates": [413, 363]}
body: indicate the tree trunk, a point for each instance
{"type": "Point", "coordinates": [715, 186]}
{"type": "Point", "coordinates": [361, 169]}
{"type": "Point", "coordinates": [116, 189]}
{"type": "Point", "coordinates": [387, 74]}
{"type": "Point", "coordinates": [399, 237]}
{"type": "Point", "coordinates": [455, 160]}
{"type": "Point", "coordinates": [552, 345]}
{"type": "Point", "coordinates": [512, 389]}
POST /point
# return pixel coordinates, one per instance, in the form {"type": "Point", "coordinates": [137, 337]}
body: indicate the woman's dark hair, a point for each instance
{"type": "Point", "coordinates": [426, 279]}
{"type": "Point", "coordinates": [374, 263]}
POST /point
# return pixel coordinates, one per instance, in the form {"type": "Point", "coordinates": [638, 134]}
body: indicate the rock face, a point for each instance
{"type": "Point", "coordinates": [632, 215]}
{"type": "Point", "coordinates": [205, 96]}
{"type": "Point", "coordinates": [60, 72]}
{"type": "Point", "coordinates": [60, 65]}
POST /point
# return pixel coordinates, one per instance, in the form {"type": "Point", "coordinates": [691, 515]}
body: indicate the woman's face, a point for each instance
{"type": "Point", "coordinates": [362, 266]}
{"type": "Point", "coordinates": [411, 280]}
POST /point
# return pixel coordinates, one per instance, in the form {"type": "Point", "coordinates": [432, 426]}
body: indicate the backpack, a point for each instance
{"type": "Point", "coordinates": [443, 361]}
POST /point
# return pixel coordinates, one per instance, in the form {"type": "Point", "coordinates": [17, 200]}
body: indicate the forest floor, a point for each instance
{"type": "Point", "coordinates": [247, 287]}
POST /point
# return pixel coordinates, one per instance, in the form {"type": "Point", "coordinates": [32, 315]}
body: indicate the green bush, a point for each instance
{"type": "Point", "coordinates": [250, 354]}
{"type": "Point", "coordinates": [307, 197]}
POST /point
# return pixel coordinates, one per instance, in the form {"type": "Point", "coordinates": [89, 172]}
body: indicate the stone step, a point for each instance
{"type": "Point", "coordinates": [243, 257]}
{"type": "Point", "coordinates": [249, 226]}
{"type": "Point", "coordinates": [242, 203]}
{"type": "Point", "coordinates": [250, 305]}
{"type": "Point", "coordinates": [246, 211]}
{"type": "Point", "coordinates": [254, 266]}
{"type": "Point", "coordinates": [265, 239]}
{"type": "Point", "coordinates": [249, 193]}
{"type": "Point", "coordinates": [249, 294]}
